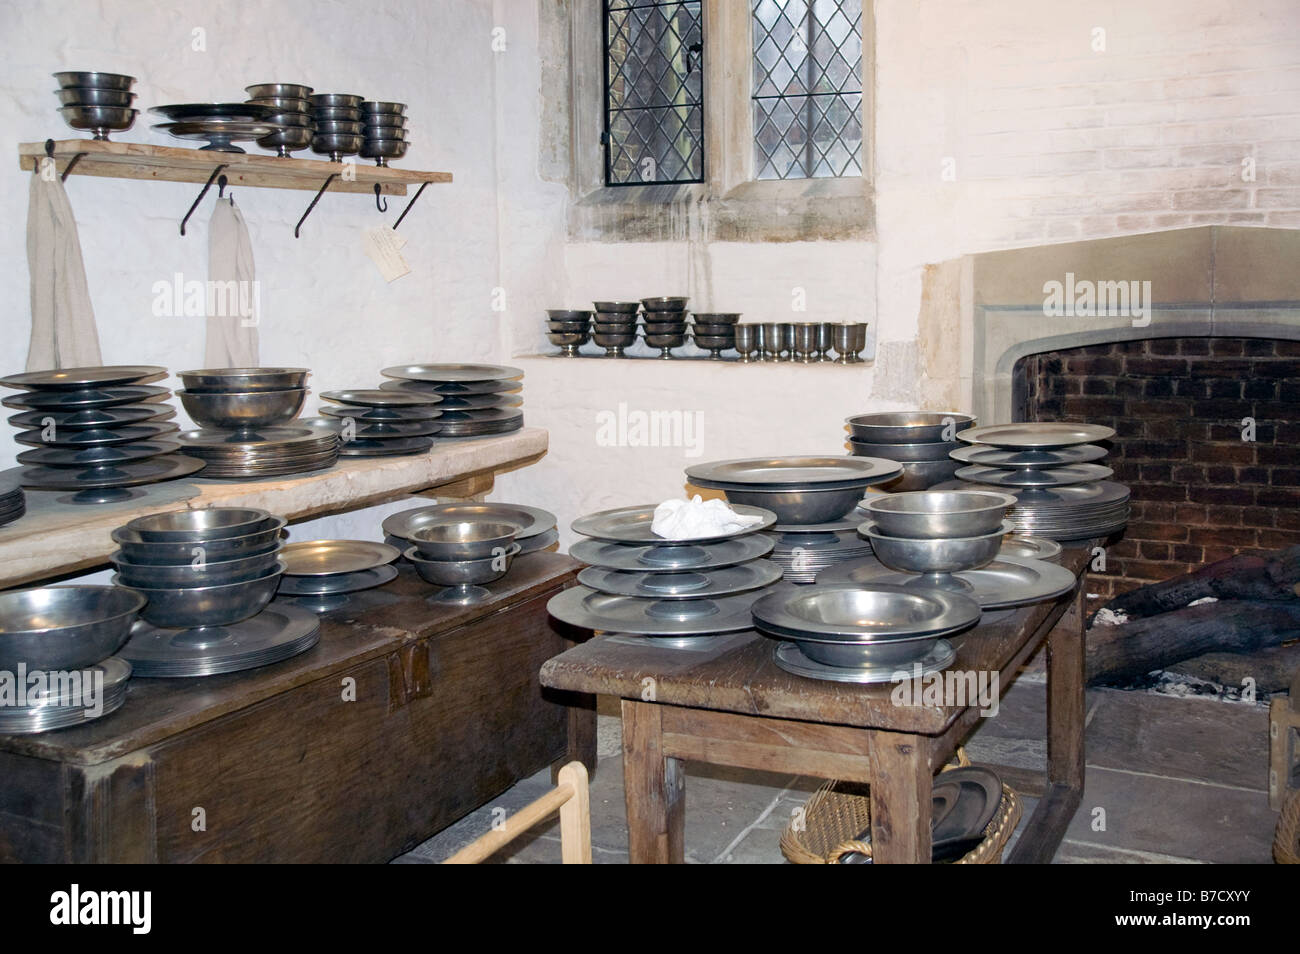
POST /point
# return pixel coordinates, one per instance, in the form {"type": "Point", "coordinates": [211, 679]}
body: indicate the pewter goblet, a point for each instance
{"type": "Point", "coordinates": [747, 342]}
{"type": "Point", "coordinates": [787, 340]}
{"type": "Point", "coordinates": [824, 341]}
{"type": "Point", "coordinates": [843, 336]}
{"type": "Point", "coordinates": [805, 342]}
{"type": "Point", "coordinates": [773, 341]}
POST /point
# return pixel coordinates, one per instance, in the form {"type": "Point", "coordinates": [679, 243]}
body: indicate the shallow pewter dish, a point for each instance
{"type": "Point", "coordinates": [1006, 582]}
{"type": "Point", "coordinates": [335, 557]}
{"type": "Point", "coordinates": [849, 612]}
{"type": "Point", "coordinates": [683, 585]}
{"type": "Point", "coordinates": [1037, 435]}
{"type": "Point", "coordinates": [585, 608]}
{"type": "Point", "coordinates": [672, 559]}
{"type": "Point", "coordinates": [632, 525]}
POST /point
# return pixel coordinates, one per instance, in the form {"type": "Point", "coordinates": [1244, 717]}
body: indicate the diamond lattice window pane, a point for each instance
{"type": "Point", "coordinates": [807, 88]}
{"type": "Point", "coordinates": [655, 101]}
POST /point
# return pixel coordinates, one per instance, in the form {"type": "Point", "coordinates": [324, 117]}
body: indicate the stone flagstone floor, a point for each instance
{"type": "Point", "coordinates": [1169, 780]}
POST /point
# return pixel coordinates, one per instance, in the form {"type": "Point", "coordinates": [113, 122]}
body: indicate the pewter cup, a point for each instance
{"type": "Point", "coordinates": [825, 339]}
{"type": "Point", "coordinates": [773, 341]}
{"type": "Point", "coordinates": [747, 342]}
{"type": "Point", "coordinates": [859, 341]}
{"type": "Point", "coordinates": [787, 340]}
{"type": "Point", "coordinates": [843, 336]}
{"type": "Point", "coordinates": [805, 342]}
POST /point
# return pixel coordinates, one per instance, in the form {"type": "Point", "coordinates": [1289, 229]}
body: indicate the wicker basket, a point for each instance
{"type": "Point", "coordinates": [833, 818]}
{"type": "Point", "coordinates": [1286, 840]}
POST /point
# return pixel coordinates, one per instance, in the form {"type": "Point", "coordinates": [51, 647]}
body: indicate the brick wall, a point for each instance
{"type": "Point", "coordinates": [1200, 492]}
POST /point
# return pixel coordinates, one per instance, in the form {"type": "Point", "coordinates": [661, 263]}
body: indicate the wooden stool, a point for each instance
{"type": "Point", "coordinates": [570, 798]}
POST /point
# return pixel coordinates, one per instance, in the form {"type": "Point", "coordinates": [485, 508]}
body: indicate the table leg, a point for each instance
{"type": "Point", "coordinates": [654, 787]}
{"type": "Point", "coordinates": [901, 783]}
{"type": "Point", "coordinates": [1065, 697]}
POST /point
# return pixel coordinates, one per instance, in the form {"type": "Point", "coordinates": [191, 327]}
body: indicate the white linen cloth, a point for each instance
{"type": "Point", "coordinates": [63, 320]}
{"type": "Point", "coordinates": [232, 301]}
{"type": "Point", "coordinates": [696, 518]}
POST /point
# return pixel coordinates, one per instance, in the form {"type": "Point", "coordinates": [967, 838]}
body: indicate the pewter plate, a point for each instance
{"type": "Point", "coordinates": [530, 520]}
{"type": "Point", "coordinates": [380, 415]}
{"type": "Point", "coordinates": [96, 456]}
{"type": "Point", "coordinates": [1040, 435]}
{"type": "Point", "coordinates": [672, 559]}
{"type": "Point", "coordinates": [1029, 548]}
{"type": "Point", "coordinates": [787, 656]}
{"type": "Point", "coordinates": [539, 542]}
{"type": "Point", "coordinates": [1063, 500]}
{"type": "Point", "coordinates": [130, 474]}
{"type": "Point", "coordinates": [801, 529]}
{"type": "Point", "coordinates": [278, 632]}
{"type": "Point", "coordinates": [453, 373]}
{"type": "Point", "coordinates": [95, 436]}
{"type": "Point", "coordinates": [632, 525]}
{"type": "Point", "coordinates": [263, 440]}
{"type": "Point", "coordinates": [79, 419]}
{"type": "Point", "coordinates": [340, 583]}
{"type": "Point", "coordinates": [470, 402]}
{"type": "Point", "coordinates": [852, 612]}
{"type": "Point", "coordinates": [378, 397]}
{"type": "Point", "coordinates": [87, 398]}
{"type": "Point", "coordinates": [508, 386]}
{"type": "Point", "coordinates": [684, 585]}
{"type": "Point", "coordinates": [1056, 477]}
{"type": "Point", "coordinates": [75, 379]}
{"type": "Point", "coordinates": [335, 557]}
{"type": "Point", "coordinates": [984, 456]}
{"type": "Point", "coordinates": [587, 609]}
{"type": "Point", "coordinates": [1006, 582]}
{"type": "Point", "coordinates": [793, 472]}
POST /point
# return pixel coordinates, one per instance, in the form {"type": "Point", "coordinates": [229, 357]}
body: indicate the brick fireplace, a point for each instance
{"type": "Point", "coordinates": [1202, 488]}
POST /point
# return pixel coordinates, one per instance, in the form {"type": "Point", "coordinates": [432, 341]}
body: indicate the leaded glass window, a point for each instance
{"type": "Point", "coordinates": [807, 88]}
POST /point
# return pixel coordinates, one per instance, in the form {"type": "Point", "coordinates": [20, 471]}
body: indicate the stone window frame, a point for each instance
{"type": "Point", "coordinates": [731, 204]}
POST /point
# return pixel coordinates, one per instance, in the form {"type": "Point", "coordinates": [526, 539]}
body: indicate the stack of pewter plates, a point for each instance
{"type": "Point", "coordinates": [1051, 467]}
{"type": "Point", "coordinates": [378, 423]}
{"type": "Point", "coordinates": [676, 592]}
{"type": "Point", "coordinates": [477, 399]}
{"type": "Point", "coordinates": [12, 502]}
{"type": "Point", "coordinates": [322, 573]}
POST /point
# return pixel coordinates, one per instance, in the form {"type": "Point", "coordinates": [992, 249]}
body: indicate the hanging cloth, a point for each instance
{"type": "Point", "coordinates": [232, 303]}
{"type": "Point", "coordinates": [63, 321]}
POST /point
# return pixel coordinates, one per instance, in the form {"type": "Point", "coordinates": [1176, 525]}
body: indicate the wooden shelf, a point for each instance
{"type": "Point", "coordinates": [133, 160]}
{"type": "Point", "coordinates": [55, 538]}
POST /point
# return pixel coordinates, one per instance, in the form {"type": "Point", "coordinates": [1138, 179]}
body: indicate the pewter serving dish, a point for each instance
{"type": "Point", "coordinates": [1004, 583]}
{"type": "Point", "coordinates": [243, 379]}
{"type": "Point", "coordinates": [204, 573]}
{"type": "Point", "coordinates": [323, 558]}
{"type": "Point", "coordinates": [463, 540]}
{"type": "Point", "coordinates": [632, 525]}
{"type": "Point", "coordinates": [79, 379]}
{"type": "Point", "coordinates": [683, 585]}
{"type": "Point", "coordinates": [584, 608]}
{"type": "Point", "coordinates": [168, 553]}
{"type": "Point", "coordinates": [792, 472]}
{"type": "Point", "coordinates": [195, 606]}
{"type": "Point", "coordinates": [1042, 435]}
{"type": "Point", "coordinates": [64, 627]}
{"type": "Point", "coordinates": [531, 521]}
{"type": "Point", "coordinates": [937, 560]}
{"type": "Point", "coordinates": [198, 526]}
{"type": "Point", "coordinates": [849, 613]}
{"type": "Point", "coordinates": [463, 578]}
{"type": "Point", "coordinates": [909, 453]}
{"type": "Point", "coordinates": [672, 559]}
{"type": "Point", "coordinates": [232, 410]}
{"type": "Point", "coordinates": [807, 506]}
{"type": "Point", "coordinates": [934, 514]}
{"type": "Point", "coordinates": [907, 427]}
{"type": "Point", "coordinates": [1053, 477]}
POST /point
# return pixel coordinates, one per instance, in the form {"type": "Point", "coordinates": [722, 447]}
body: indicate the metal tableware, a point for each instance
{"type": "Point", "coordinates": [665, 343]}
{"type": "Point", "coordinates": [287, 141]}
{"type": "Point", "coordinates": [337, 114]}
{"type": "Point", "coordinates": [664, 304]}
{"type": "Point", "coordinates": [193, 606]}
{"type": "Point", "coordinates": [1002, 584]}
{"type": "Point", "coordinates": [220, 136]}
{"type": "Point", "coordinates": [278, 632]}
{"type": "Point", "coordinates": [225, 112]}
{"type": "Point", "coordinates": [99, 120]}
{"type": "Point", "coordinates": [197, 526]}
{"type": "Point", "coordinates": [99, 456]}
{"type": "Point", "coordinates": [337, 583]}
{"type": "Point", "coordinates": [108, 484]}
{"type": "Point", "coordinates": [1041, 435]}
{"type": "Point", "coordinates": [95, 436]}
{"type": "Point", "coordinates": [85, 398]}
{"type": "Point", "coordinates": [908, 427]}
{"type": "Point", "coordinates": [81, 379]}
{"type": "Point", "coordinates": [199, 573]}
{"type": "Point", "coordinates": [792, 472]}
{"type": "Point", "coordinates": [747, 342]}
{"type": "Point", "coordinates": [802, 506]}
{"type": "Point", "coordinates": [843, 336]}
{"type": "Point", "coordinates": [617, 307]}
{"type": "Point", "coordinates": [279, 91]}
{"type": "Point", "coordinates": [935, 514]}
{"type": "Point", "coordinates": [464, 579]}
{"type": "Point", "coordinates": [825, 341]}
{"type": "Point", "coordinates": [633, 525]}
{"type": "Point", "coordinates": [1031, 548]}
{"type": "Point", "coordinates": [380, 106]}
{"type": "Point", "coordinates": [336, 146]}
{"type": "Point", "coordinates": [289, 104]}
{"type": "Point", "coordinates": [454, 375]}
{"type": "Point", "coordinates": [93, 96]}
{"type": "Point", "coordinates": [714, 345]}
{"type": "Point", "coordinates": [335, 557]}
{"type": "Point", "coordinates": [791, 657]}
{"type": "Point", "coordinates": [672, 559]}
{"type": "Point", "coordinates": [169, 553]}
{"type": "Point", "coordinates": [717, 317]}
{"type": "Point", "coordinates": [381, 150]}
{"type": "Point", "coordinates": [584, 608]}
{"type": "Point", "coordinates": [923, 474]}
{"type": "Point", "coordinates": [337, 127]}
{"type": "Point", "coordinates": [983, 456]}
{"type": "Point", "coordinates": [843, 612]}
{"type": "Point", "coordinates": [243, 379]}
{"type": "Point", "coordinates": [805, 342]}
{"type": "Point", "coordinates": [773, 341]}
{"type": "Point", "coordinates": [614, 343]}
{"type": "Point", "coordinates": [334, 100]}
{"type": "Point", "coordinates": [531, 521]}
{"type": "Point", "coordinates": [905, 453]}
{"type": "Point", "coordinates": [97, 80]}
{"type": "Point", "coordinates": [463, 540]}
{"type": "Point", "coordinates": [242, 411]}
{"type": "Point", "coordinates": [687, 584]}
{"type": "Point", "coordinates": [64, 627]}
{"type": "Point", "coordinates": [85, 418]}
{"type": "Point", "coordinates": [1054, 477]}
{"type": "Point", "coordinates": [937, 559]}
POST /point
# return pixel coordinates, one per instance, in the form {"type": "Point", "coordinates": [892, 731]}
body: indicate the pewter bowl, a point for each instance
{"type": "Point", "coordinates": [463, 539]}
{"type": "Point", "coordinates": [199, 526]}
{"type": "Point", "coordinates": [937, 560]}
{"type": "Point", "coordinates": [936, 514]}
{"type": "Point", "coordinates": [227, 380]}
{"type": "Point", "coordinates": [208, 572]}
{"type": "Point", "coordinates": [64, 627]}
{"type": "Point", "coordinates": [906, 427]}
{"type": "Point", "coordinates": [219, 605]}
{"type": "Point", "coordinates": [248, 410]}
{"type": "Point", "coordinates": [168, 553]}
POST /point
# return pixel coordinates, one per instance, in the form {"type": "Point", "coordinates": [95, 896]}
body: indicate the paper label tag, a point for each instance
{"type": "Point", "coordinates": [384, 246]}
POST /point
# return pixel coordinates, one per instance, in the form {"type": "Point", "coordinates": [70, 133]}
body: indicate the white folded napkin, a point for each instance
{"type": "Point", "coordinates": [695, 518]}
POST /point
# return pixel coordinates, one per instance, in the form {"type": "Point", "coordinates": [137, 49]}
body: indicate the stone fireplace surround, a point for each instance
{"type": "Point", "coordinates": [1221, 342]}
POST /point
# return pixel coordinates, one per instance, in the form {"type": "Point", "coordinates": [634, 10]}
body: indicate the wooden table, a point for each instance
{"type": "Point", "coordinates": [731, 705]}
{"type": "Point", "coordinates": [405, 716]}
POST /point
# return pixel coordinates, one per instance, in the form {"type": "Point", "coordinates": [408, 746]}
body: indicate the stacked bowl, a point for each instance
{"type": "Point", "coordinates": [953, 541]}
{"type": "Point", "coordinates": [715, 332]}
{"type": "Point", "coordinates": [918, 440]}
{"type": "Point", "coordinates": [477, 399]}
{"type": "Point", "coordinates": [98, 102]}
{"type": "Point", "coordinates": [568, 330]}
{"type": "Point", "coordinates": [534, 527]}
{"type": "Point", "coordinates": [863, 634]}
{"type": "Point", "coordinates": [461, 556]}
{"type": "Point", "coordinates": [614, 328]}
{"type": "Point", "coordinates": [73, 631]}
{"type": "Point", "coordinates": [813, 499]}
{"type": "Point", "coordinates": [247, 427]}
{"type": "Point", "coordinates": [291, 112]}
{"type": "Point", "coordinates": [664, 322]}
{"type": "Point", "coordinates": [339, 130]}
{"type": "Point", "coordinates": [384, 131]}
{"type": "Point", "coordinates": [97, 431]}
{"type": "Point", "coordinates": [1062, 492]}
{"type": "Point", "coordinates": [676, 592]}
{"type": "Point", "coordinates": [208, 576]}
{"type": "Point", "coordinates": [378, 423]}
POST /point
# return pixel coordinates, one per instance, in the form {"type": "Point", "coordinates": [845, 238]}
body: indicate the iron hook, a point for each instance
{"type": "Point", "coordinates": [381, 206]}
{"type": "Point", "coordinates": [333, 176]}
{"type": "Point", "coordinates": [208, 185]}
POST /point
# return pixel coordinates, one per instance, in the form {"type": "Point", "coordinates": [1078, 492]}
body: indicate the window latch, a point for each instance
{"type": "Point", "coordinates": [693, 48]}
